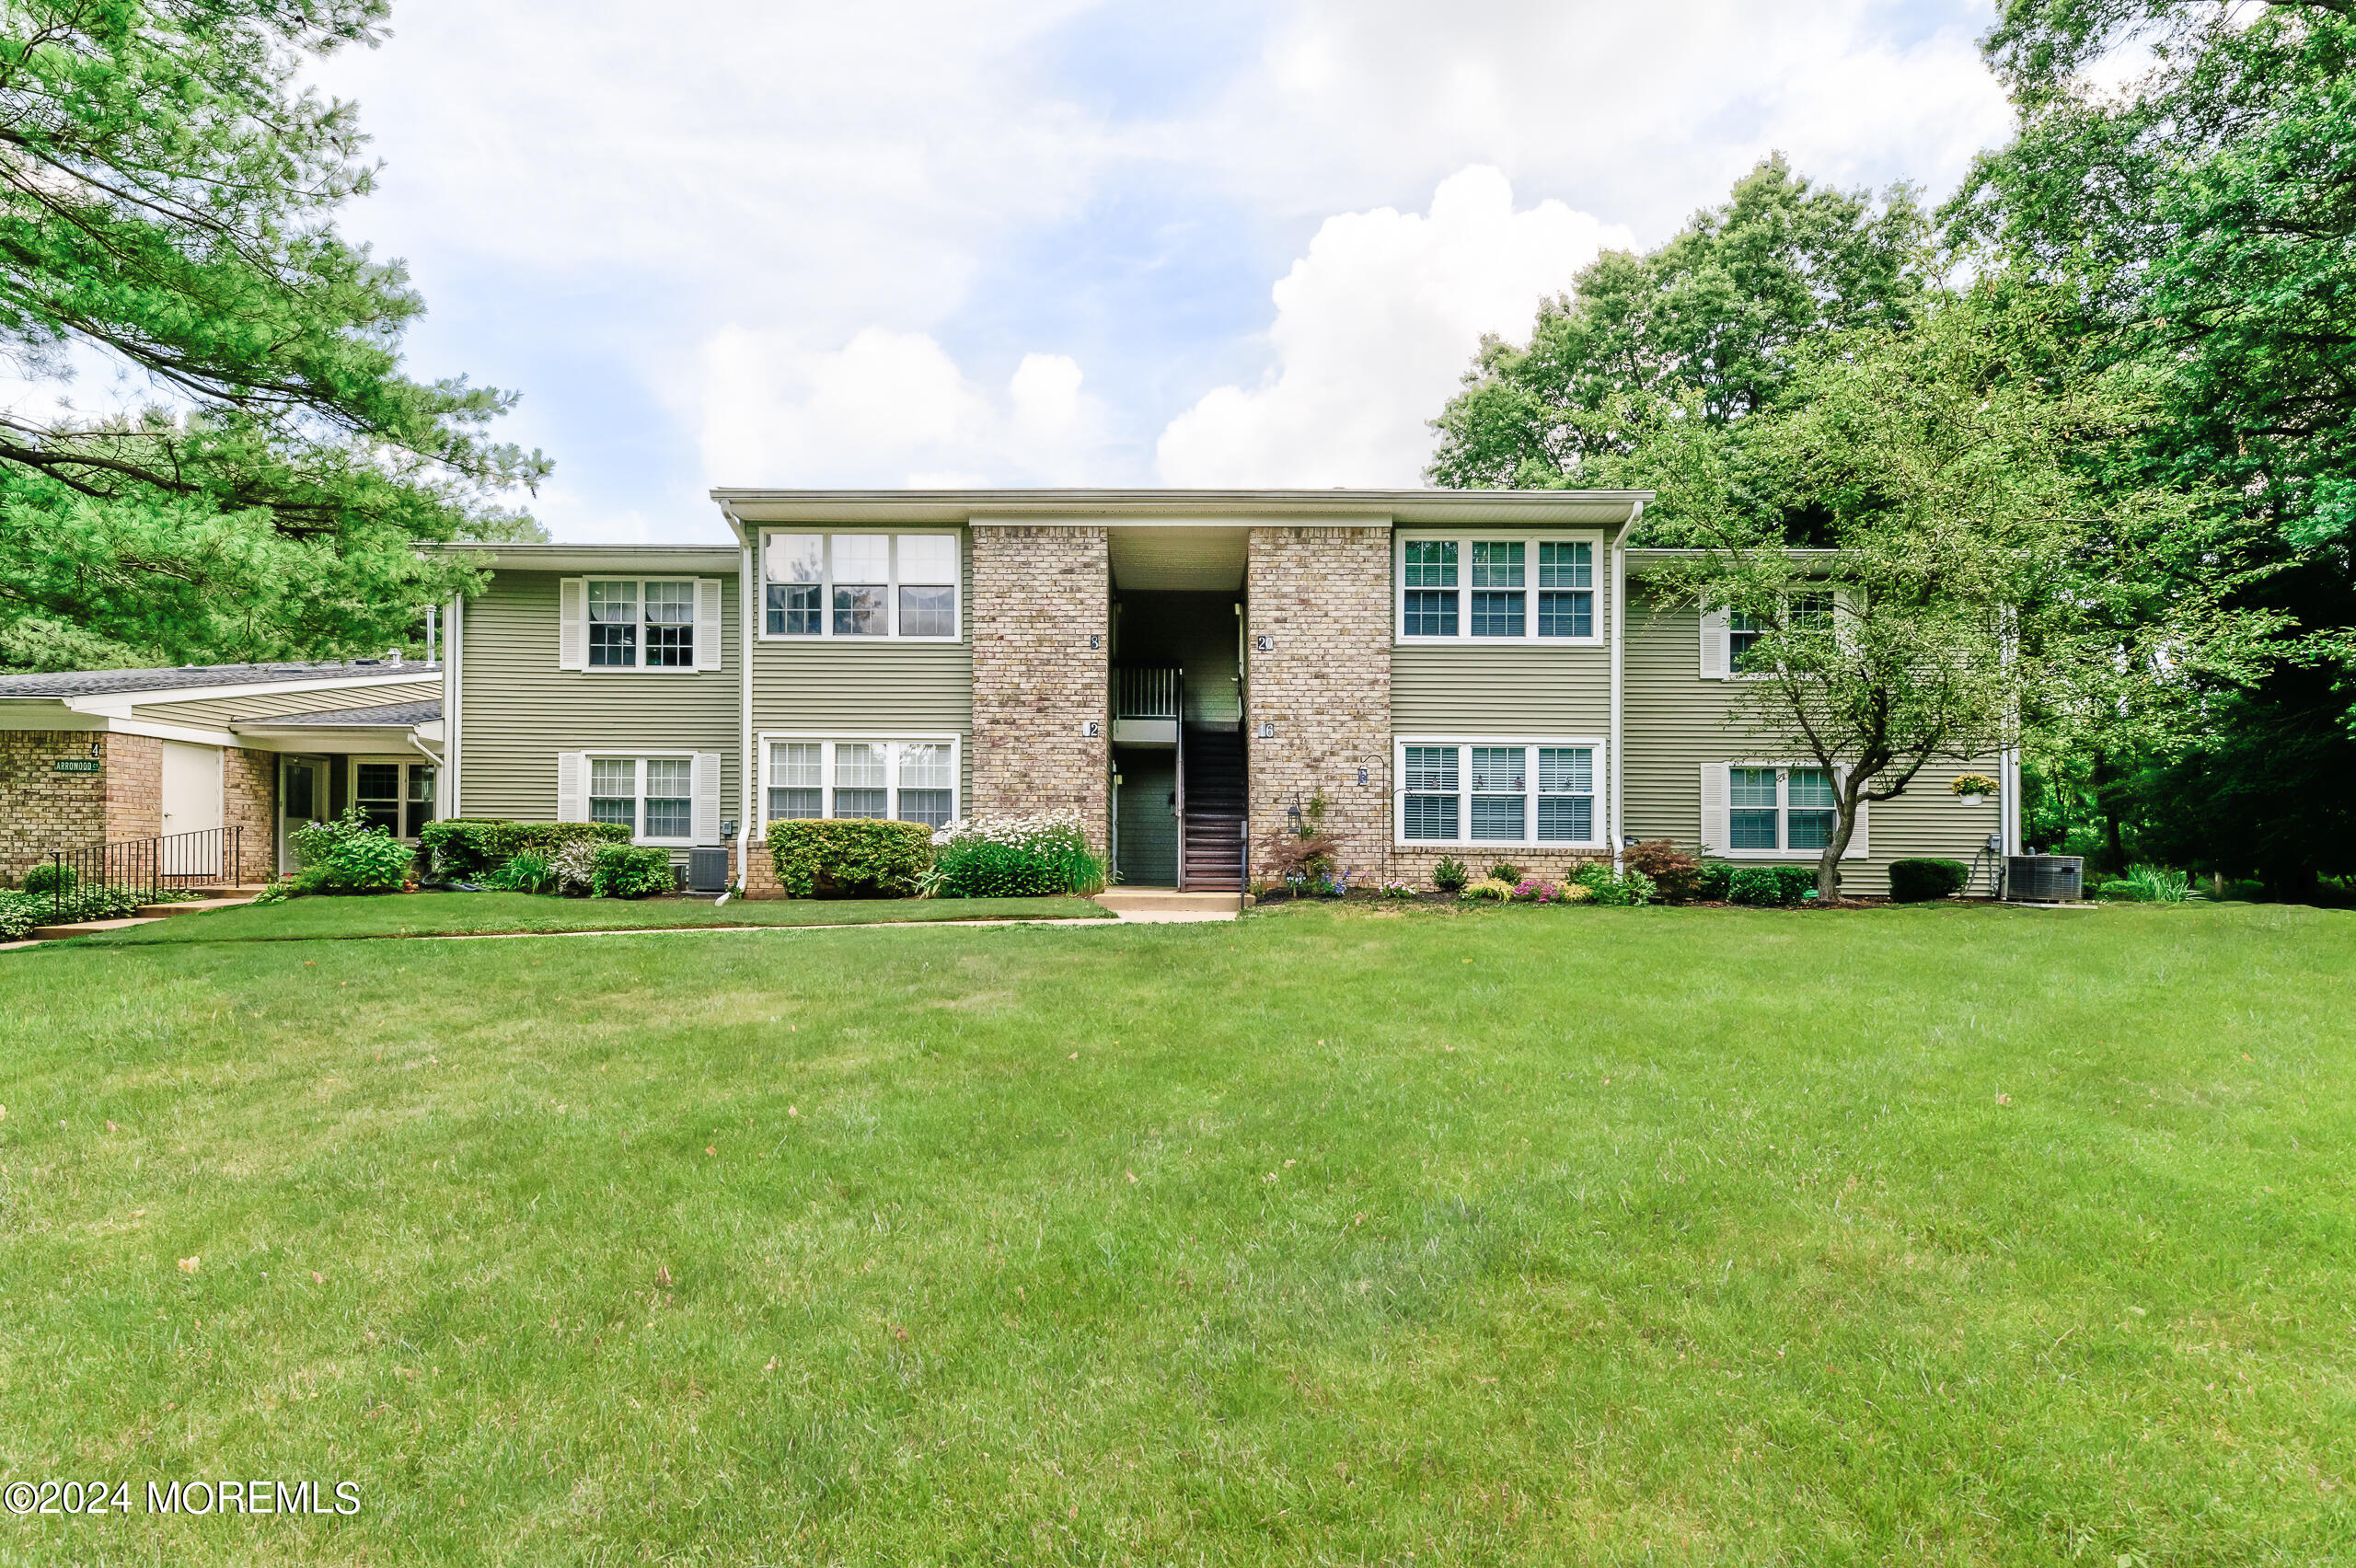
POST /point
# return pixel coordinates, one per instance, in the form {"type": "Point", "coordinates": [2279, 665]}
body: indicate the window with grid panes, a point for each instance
{"type": "Point", "coordinates": [670, 626]}
{"type": "Point", "coordinates": [1498, 602]}
{"type": "Point", "coordinates": [670, 798]}
{"type": "Point", "coordinates": [613, 625]}
{"type": "Point", "coordinates": [1566, 794]}
{"type": "Point", "coordinates": [1810, 809]}
{"type": "Point", "coordinates": [797, 780]}
{"type": "Point", "coordinates": [612, 790]}
{"type": "Point", "coordinates": [927, 791]}
{"type": "Point", "coordinates": [1430, 808]}
{"type": "Point", "coordinates": [860, 584]}
{"type": "Point", "coordinates": [1430, 572]}
{"type": "Point", "coordinates": [927, 579]}
{"type": "Point", "coordinates": [863, 785]}
{"type": "Point", "coordinates": [862, 570]}
{"type": "Point", "coordinates": [1566, 588]}
{"type": "Point", "coordinates": [377, 790]}
{"type": "Point", "coordinates": [1753, 807]}
{"type": "Point", "coordinates": [796, 569]}
{"type": "Point", "coordinates": [1500, 803]}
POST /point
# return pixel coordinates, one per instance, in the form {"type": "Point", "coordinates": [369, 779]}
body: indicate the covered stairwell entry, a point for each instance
{"type": "Point", "coordinates": [1212, 816]}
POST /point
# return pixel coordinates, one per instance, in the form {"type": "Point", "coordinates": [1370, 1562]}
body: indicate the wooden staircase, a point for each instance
{"type": "Point", "coordinates": [1214, 811]}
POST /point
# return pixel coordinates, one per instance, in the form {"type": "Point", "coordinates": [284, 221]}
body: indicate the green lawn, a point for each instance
{"type": "Point", "coordinates": [480, 913]}
{"type": "Point", "coordinates": [1527, 1235]}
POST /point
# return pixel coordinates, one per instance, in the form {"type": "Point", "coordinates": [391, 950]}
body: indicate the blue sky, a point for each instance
{"type": "Point", "coordinates": [1047, 242]}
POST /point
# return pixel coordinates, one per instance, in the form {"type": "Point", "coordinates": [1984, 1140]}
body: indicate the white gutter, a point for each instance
{"type": "Point", "coordinates": [1616, 816]}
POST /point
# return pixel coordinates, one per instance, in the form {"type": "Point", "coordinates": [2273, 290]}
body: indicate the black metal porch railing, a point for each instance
{"type": "Point", "coordinates": [152, 866]}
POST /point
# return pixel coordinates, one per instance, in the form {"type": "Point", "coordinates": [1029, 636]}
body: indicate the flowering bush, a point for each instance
{"type": "Point", "coordinates": [1398, 889]}
{"type": "Point", "coordinates": [1487, 889]}
{"type": "Point", "coordinates": [1533, 890]}
{"type": "Point", "coordinates": [1574, 893]}
{"type": "Point", "coordinates": [1014, 856]}
{"type": "Point", "coordinates": [1972, 784]}
{"type": "Point", "coordinates": [1327, 883]}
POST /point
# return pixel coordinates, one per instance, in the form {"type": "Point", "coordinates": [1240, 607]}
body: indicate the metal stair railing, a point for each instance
{"type": "Point", "coordinates": [153, 866]}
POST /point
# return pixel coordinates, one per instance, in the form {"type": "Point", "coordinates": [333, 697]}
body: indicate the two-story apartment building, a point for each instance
{"type": "Point", "coordinates": [1481, 675]}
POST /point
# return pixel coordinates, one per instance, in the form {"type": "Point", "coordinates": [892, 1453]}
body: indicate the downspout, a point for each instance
{"type": "Point", "coordinates": [454, 641]}
{"type": "Point", "coordinates": [1616, 817]}
{"type": "Point", "coordinates": [746, 761]}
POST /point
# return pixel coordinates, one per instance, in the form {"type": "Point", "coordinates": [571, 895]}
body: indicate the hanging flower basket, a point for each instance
{"type": "Point", "coordinates": [1972, 788]}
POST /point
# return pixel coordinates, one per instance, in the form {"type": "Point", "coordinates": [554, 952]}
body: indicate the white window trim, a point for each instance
{"type": "Point", "coordinates": [638, 785]}
{"type": "Point", "coordinates": [1599, 845]}
{"type": "Point", "coordinates": [696, 657]}
{"type": "Point", "coordinates": [1719, 623]}
{"type": "Point", "coordinates": [827, 739]}
{"type": "Point", "coordinates": [351, 785]}
{"type": "Point", "coordinates": [1858, 842]}
{"type": "Point", "coordinates": [826, 632]}
{"type": "Point", "coordinates": [1464, 538]}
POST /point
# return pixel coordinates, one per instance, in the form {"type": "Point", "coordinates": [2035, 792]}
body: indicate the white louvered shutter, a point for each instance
{"type": "Point", "coordinates": [708, 648]}
{"type": "Point", "coordinates": [1716, 835]}
{"type": "Point", "coordinates": [571, 626]}
{"type": "Point", "coordinates": [706, 784]}
{"type": "Point", "coordinates": [572, 783]}
{"type": "Point", "coordinates": [1860, 845]}
{"type": "Point", "coordinates": [1714, 648]}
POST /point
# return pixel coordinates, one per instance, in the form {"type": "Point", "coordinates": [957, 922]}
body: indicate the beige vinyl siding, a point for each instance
{"type": "Point", "coordinates": [271, 705]}
{"type": "Point", "coordinates": [1504, 688]}
{"type": "Point", "coordinates": [873, 685]}
{"type": "Point", "coordinates": [1675, 721]}
{"type": "Point", "coordinates": [519, 710]}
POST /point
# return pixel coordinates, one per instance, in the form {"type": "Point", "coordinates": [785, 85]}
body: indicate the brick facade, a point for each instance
{"type": "Point", "coordinates": [1041, 617]}
{"type": "Point", "coordinates": [249, 803]}
{"type": "Point", "coordinates": [42, 810]}
{"type": "Point", "coordinates": [1552, 865]}
{"type": "Point", "coordinates": [135, 778]}
{"type": "Point", "coordinates": [1322, 598]}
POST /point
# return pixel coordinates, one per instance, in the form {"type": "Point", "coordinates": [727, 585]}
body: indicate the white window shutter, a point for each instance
{"type": "Point", "coordinates": [572, 783]}
{"type": "Point", "coordinates": [1714, 650]}
{"type": "Point", "coordinates": [572, 627]}
{"type": "Point", "coordinates": [1860, 845]}
{"type": "Point", "coordinates": [707, 784]}
{"type": "Point", "coordinates": [708, 648]}
{"type": "Point", "coordinates": [1716, 835]}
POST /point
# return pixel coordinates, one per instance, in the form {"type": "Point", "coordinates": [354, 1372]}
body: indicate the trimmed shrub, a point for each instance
{"type": "Point", "coordinates": [1449, 875]}
{"type": "Point", "coordinates": [1606, 887]}
{"type": "Point", "coordinates": [466, 847]}
{"type": "Point", "coordinates": [1919, 881]}
{"type": "Point", "coordinates": [315, 841]}
{"type": "Point", "coordinates": [48, 878]}
{"type": "Point", "coordinates": [850, 858]}
{"type": "Point", "coordinates": [1771, 887]}
{"type": "Point", "coordinates": [2121, 889]}
{"type": "Point", "coordinates": [1713, 880]}
{"type": "Point", "coordinates": [631, 870]}
{"type": "Point", "coordinates": [1505, 871]}
{"type": "Point", "coordinates": [1025, 857]}
{"type": "Point", "coordinates": [1676, 874]}
{"type": "Point", "coordinates": [373, 861]}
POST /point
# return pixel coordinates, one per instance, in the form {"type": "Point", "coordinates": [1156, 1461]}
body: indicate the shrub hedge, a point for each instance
{"type": "Point", "coordinates": [850, 859]}
{"type": "Point", "coordinates": [1919, 881]}
{"type": "Point", "coordinates": [1016, 856]}
{"type": "Point", "coordinates": [48, 876]}
{"type": "Point", "coordinates": [1713, 880]}
{"type": "Point", "coordinates": [631, 870]}
{"type": "Point", "coordinates": [474, 847]}
{"type": "Point", "coordinates": [1771, 887]}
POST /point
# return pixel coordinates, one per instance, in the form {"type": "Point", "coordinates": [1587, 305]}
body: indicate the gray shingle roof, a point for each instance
{"type": "Point", "coordinates": [388, 713]}
{"type": "Point", "coordinates": [104, 683]}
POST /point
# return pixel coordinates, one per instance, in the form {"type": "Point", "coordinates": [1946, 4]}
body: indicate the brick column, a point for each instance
{"type": "Point", "coordinates": [134, 788]}
{"type": "Point", "coordinates": [249, 803]}
{"type": "Point", "coordinates": [1322, 597]}
{"type": "Point", "coordinates": [1041, 595]}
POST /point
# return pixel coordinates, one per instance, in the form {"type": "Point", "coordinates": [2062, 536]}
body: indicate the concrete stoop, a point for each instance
{"type": "Point", "coordinates": [1163, 904]}
{"type": "Point", "coordinates": [225, 898]}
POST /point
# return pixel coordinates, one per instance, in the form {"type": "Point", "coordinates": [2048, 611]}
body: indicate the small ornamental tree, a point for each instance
{"type": "Point", "coordinates": [1950, 461]}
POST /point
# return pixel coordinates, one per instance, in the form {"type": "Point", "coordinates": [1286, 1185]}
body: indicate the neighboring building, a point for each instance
{"type": "Point", "coordinates": [1472, 674]}
{"type": "Point", "coordinates": [112, 757]}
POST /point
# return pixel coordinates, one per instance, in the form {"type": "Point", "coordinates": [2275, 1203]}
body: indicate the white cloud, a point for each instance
{"type": "Point", "coordinates": [1373, 328]}
{"type": "Point", "coordinates": [885, 408]}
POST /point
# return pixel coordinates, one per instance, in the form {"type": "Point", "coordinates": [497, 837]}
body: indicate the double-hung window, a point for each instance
{"type": "Point", "coordinates": [1474, 587]}
{"type": "Point", "coordinates": [641, 624]}
{"type": "Point", "coordinates": [911, 780]}
{"type": "Point", "coordinates": [651, 796]}
{"type": "Point", "coordinates": [395, 796]}
{"type": "Point", "coordinates": [1779, 808]}
{"type": "Point", "coordinates": [1532, 794]}
{"type": "Point", "coordinates": [847, 586]}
